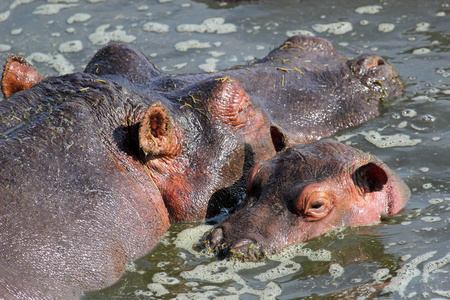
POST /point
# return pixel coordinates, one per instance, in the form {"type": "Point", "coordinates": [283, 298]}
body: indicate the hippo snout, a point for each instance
{"type": "Point", "coordinates": [244, 249]}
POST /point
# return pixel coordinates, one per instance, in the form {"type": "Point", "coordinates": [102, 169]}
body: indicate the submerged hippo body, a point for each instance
{"type": "Point", "coordinates": [303, 192]}
{"type": "Point", "coordinates": [95, 164]}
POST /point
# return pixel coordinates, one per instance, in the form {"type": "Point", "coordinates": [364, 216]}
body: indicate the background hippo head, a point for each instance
{"type": "Point", "coordinates": [305, 191]}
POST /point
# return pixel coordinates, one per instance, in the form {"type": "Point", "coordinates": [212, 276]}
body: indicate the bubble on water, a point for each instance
{"type": "Point", "coordinates": [406, 273]}
{"type": "Point", "coordinates": [369, 9]}
{"type": "Point", "coordinates": [191, 44]}
{"type": "Point", "coordinates": [143, 293]}
{"type": "Point", "coordinates": [431, 219]}
{"type": "Point", "coordinates": [409, 113]}
{"type": "Point", "coordinates": [424, 169]}
{"type": "Point", "coordinates": [387, 141]}
{"type": "Point", "coordinates": [156, 27]}
{"type": "Point", "coordinates": [70, 46]}
{"type": "Point", "coordinates": [427, 186]}
{"type": "Point", "coordinates": [78, 18]}
{"type": "Point", "coordinates": [216, 53]}
{"type": "Point", "coordinates": [56, 61]}
{"type": "Point", "coordinates": [422, 27]}
{"type": "Point", "coordinates": [143, 8]}
{"type": "Point", "coordinates": [334, 28]}
{"type": "Point", "coordinates": [158, 289]}
{"type": "Point", "coordinates": [364, 22]}
{"type": "Point", "coordinates": [440, 14]}
{"type": "Point", "coordinates": [381, 275]}
{"type": "Point", "coordinates": [101, 37]}
{"type": "Point", "coordinates": [51, 9]}
{"type": "Point", "coordinates": [5, 48]}
{"type": "Point", "coordinates": [209, 25]}
{"type": "Point", "coordinates": [290, 33]}
{"type": "Point", "coordinates": [336, 270]}
{"type": "Point", "coordinates": [421, 51]}
{"type": "Point", "coordinates": [386, 27]}
{"type": "Point", "coordinates": [405, 223]}
{"type": "Point", "coordinates": [180, 66]}
{"type": "Point", "coordinates": [428, 118]}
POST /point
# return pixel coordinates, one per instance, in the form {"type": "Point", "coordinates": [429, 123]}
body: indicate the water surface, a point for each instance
{"type": "Point", "coordinates": [403, 257]}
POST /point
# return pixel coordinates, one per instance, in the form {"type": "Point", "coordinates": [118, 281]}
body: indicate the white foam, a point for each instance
{"type": "Point", "coordinates": [4, 15]}
{"type": "Point", "coordinates": [188, 238]}
{"type": "Point", "coordinates": [156, 27]}
{"type": "Point", "coordinates": [422, 26]}
{"type": "Point", "coordinates": [101, 37]}
{"type": "Point", "coordinates": [387, 141]}
{"type": "Point", "coordinates": [432, 266]}
{"type": "Point", "coordinates": [70, 46]}
{"type": "Point", "coordinates": [406, 273]}
{"type": "Point", "coordinates": [209, 65]}
{"type": "Point", "coordinates": [421, 51]}
{"type": "Point", "coordinates": [336, 270]}
{"type": "Point", "coordinates": [209, 25]}
{"type": "Point", "coordinates": [381, 275]}
{"type": "Point", "coordinates": [16, 31]}
{"type": "Point", "coordinates": [386, 27]}
{"type": "Point", "coordinates": [290, 33]}
{"type": "Point", "coordinates": [334, 28]}
{"type": "Point", "coordinates": [283, 269]}
{"type": "Point", "coordinates": [79, 18]}
{"type": "Point", "coordinates": [51, 9]}
{"type": "Point", "coordinates": [369, 9]}
{"type": "Point", "coordinates": [191, 44]}
{"type": "Point", "coordinates": [430, 219]}
{"type": "Point", "coordinates": [5, 48]}
{"type": "Point", "coordinates": [163, 278]}
{"type": "Point", "coordinates": [56, 61]}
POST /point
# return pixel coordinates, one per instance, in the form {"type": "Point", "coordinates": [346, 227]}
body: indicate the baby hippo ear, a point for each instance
{"type": "Point", "coordinates": [157, 134]}
{"type": "Point", "coordinates": [229, 102]}
{"type": "Point", "coordinates": [370, 177]}
{"type": "Point", "coordinates": [18, 75]}
{"type": "Point", "coordinates": [279, 139]}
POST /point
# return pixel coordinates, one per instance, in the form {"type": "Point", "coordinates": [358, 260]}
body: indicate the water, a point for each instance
{"type": "Point", "coordinates": [403, 257]}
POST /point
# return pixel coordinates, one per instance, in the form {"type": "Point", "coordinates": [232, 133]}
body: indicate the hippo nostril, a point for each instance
{"type": "Point", "coordinates": [215, 237]}
{"type": "Point", "coordinates": [375, 61]}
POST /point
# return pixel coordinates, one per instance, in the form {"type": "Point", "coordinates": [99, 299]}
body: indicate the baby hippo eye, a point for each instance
{"type": "Point", "coordinates": [312, 204]}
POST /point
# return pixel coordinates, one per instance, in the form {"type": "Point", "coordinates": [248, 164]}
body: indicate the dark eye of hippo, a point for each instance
{"type": "Point", "coordinates": [313, 203]}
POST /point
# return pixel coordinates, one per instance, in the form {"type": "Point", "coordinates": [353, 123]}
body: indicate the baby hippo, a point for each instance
{"type": "Point", "coordinates": [303, 192]}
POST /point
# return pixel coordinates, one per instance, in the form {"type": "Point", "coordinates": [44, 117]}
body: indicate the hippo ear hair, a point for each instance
{"type": "Point", "coordinates": [279, 139]}
{"type": "Point", "coordinates": [370, 177]}
{"type": "Point", "coordinates": [157, 134]}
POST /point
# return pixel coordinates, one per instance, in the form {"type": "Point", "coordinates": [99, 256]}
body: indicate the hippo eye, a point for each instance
{"type": "Point", "coordinates": [313, 204]}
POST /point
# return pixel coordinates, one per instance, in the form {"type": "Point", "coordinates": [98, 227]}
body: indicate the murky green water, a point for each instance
{"type": "Point", "coordinates": [404, 257]}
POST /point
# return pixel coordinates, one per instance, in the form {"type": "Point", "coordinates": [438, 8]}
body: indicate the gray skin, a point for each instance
{"type": "Point", "coordinates": [304, 191]}
{"type": "Point", "coordinates": [95, 164]}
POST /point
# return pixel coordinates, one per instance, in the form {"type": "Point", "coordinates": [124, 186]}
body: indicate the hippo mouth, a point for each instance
{"type": "Point", "coordinates": [246, 249]}
{"type": "Point", "coordinates": [376, 74]}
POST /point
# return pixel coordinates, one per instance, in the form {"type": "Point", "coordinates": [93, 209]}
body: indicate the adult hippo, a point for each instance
{"type": "Point", "coordinates": [95, 164]}
{"type": "Point", "coordinates": [303, 192]}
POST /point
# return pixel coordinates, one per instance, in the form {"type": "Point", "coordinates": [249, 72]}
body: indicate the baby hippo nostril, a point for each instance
{"type": "Point", "coordinates": [242, 243]}
{"type": "Point", "coordinates": [215, 237]}
{"type": "Point", "coordinates": [375, 61]}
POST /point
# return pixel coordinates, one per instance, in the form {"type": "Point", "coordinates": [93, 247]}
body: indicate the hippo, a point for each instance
{"type": "Point", "coordinates": [303, 192]}
{"type": "Point", "coordinates": [97, 164]}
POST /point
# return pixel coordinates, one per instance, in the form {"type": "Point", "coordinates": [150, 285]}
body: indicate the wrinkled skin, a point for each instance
{"type": "Point", "coordinates": [96, 164]}
{"type": "Point", "coordinates": [305, 87]}
{"type": "Point", "coordinates": [303, 192]}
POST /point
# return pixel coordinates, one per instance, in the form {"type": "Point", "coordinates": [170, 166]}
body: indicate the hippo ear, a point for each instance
{"type": "Point", "coordinates": [228, 103]}
{"type": "Point", "coordinates": [18, 75]}
{"type": "Point", "coordinates": [370, 177]}
{"type": "Point", "coordinates": [157, 134]}
{"type": "Point", "coordinates": [279, 139]}
{"type": "Point", "coordinates": [122, 60]}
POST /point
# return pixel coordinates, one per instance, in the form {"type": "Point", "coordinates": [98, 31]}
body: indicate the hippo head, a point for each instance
{"type": "Point", "coordinates": [303, 192]}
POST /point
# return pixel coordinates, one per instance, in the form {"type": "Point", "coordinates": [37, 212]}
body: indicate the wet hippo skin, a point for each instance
{"type": "Point", "coordinates": [303, 192]}
{"type": "Point", "coordinates": [95, 164]}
